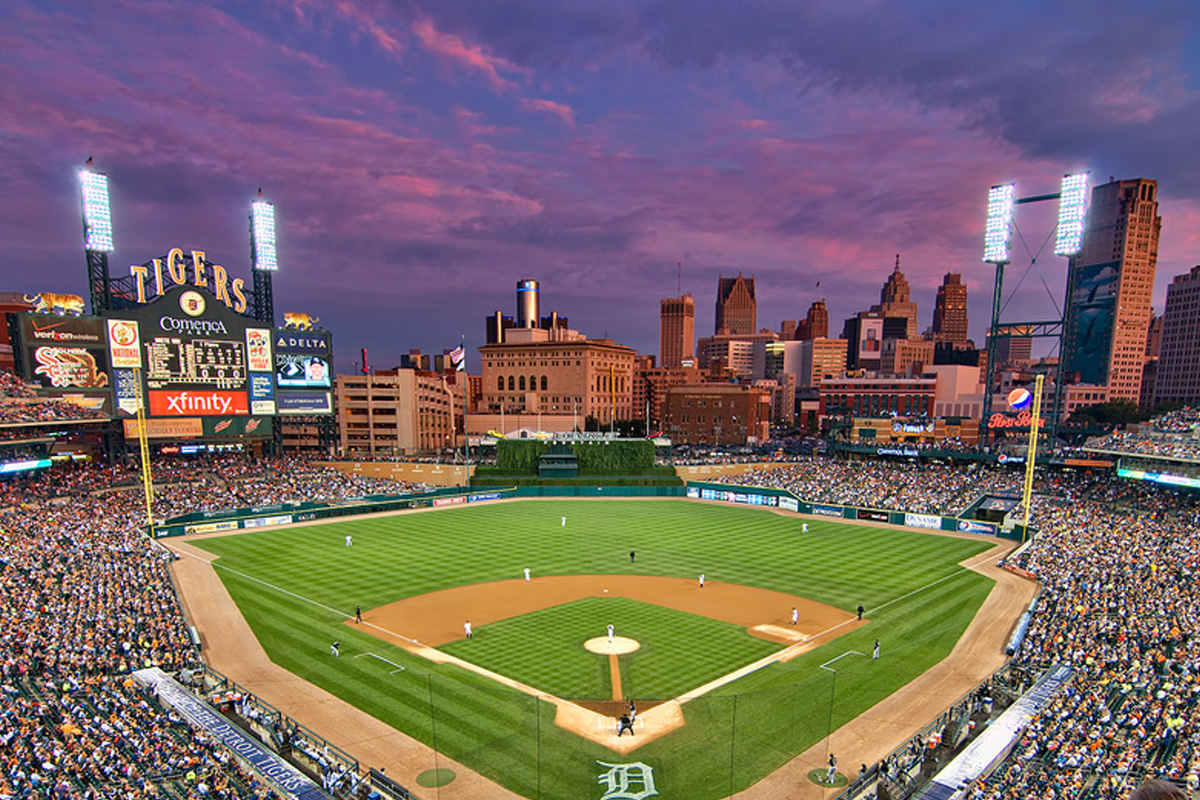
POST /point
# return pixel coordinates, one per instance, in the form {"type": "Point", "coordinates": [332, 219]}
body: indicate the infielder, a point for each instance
{"type": "Point", "coordinates": [795, 616]}
{"type": "Point", "coordinates": [701, 580]}
{"type": "Point", "coordinates": [527, 574]}
{"type": "Point", "coordinates": [467, 629]}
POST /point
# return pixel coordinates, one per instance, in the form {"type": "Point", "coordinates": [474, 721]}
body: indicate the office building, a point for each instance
{"type": "Point", "coordinates": [816, 323]}
{"type": "Point", "coordinates": [1112, 280]}
{"type": "Point", "coordinates": [735, 351]}
{"type": "Point", "coordinates": [717, 414]}
{"type": "Point", "coordinates": [905, 356]}
{"type": "Point", "coordinates": [895, 300]}
{"type": "Point", "coordinates": [399, 412]}
{"type": "Point", "coordinates": [950, 310]}
{"type": "Point", "coordinates": [1178, 378]}
{"type": "Point", "coordinates": [676, 331]}
{"type": "Point", "coordinates": [821, 360]}
{"type": "Point", "coordinates": [737, 308]}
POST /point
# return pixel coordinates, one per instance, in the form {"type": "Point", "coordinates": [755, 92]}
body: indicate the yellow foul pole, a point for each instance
{"type": "Point", "coordinates": [144, 446]}
{"type": "Point", "coordinates": [1031, 457]}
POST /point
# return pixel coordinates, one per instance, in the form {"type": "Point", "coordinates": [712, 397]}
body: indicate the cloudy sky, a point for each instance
{"type": "Point", "coordinates": [423, 156]}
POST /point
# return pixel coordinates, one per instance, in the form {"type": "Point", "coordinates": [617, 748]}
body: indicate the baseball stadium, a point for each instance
{"type": "Point", "coordinates": [195, 609]}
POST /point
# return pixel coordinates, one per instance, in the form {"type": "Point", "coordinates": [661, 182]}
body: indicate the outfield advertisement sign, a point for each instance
{"type": "Point", "coordinates": [970, 526]}
{"type": "Point", "coordinates": [211, 527]}
{"type": "Point", "coordinates": [929, 521]}
{"type": "Point", "coordinates": [266, 522]}
{"type": "Point", "coordinates": [693, 492]}
{"type": "Point", "coordinates": [746, 498]}
{"type": "Point", "coordinates": [283, 775]}
{"type": "Point", "coordinates": [789, 504]}
{"type": "Point", "coordinates": [873, 516]}
{"type": "Point", "coordinates": [449, 501]}
{"type": "Point", "coordinates": [827, 511]}
{"type": "Point", "coordinates": [479, 498]}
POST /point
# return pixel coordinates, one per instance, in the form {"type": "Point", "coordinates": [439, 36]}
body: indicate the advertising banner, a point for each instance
{"type": "Point", "coordinates": [166, 428]}
{"type": "Point", "coordinates": [69, 367]}
{"type": "Point", "coordinates": [789, 504]}
{"type": "Point", "coordinates": [263, 522]}
{"type": "Point", "coordinates": [211, 527]}
{"type": "Point", "coordinates": [477, 498]}
{"type": "Point", "coordinates": [182, 403]}
{"type": "Point", "coordinates": [970, 526]}
{"type": "Point", "coordinates": [307, 342]}
{"type": "Point", "coordinates": [258, 350]}
{"type": "Point", "coordinates": [37, 329]}
{"type": "Point", "coordinates": [304, 403]}
{"type": "Point", "coordinates": [124, 344]}
{"type": "Point", "coordinates": [826, 511]}
{"type": "Point", "coordinates": [127, 391]}
{"type": "Point", "coordinates": [262, 394]}
{"type": "Point", "coordinates": [236, 426]}
{"type": "Point", "coordinates": [929, 521]}
{"type": "Point", "coordinates": [449, 501]}
{"type": "Point", "coordinates": [693, 492]}
{"type": "Point", "coordinates": [872, 515]}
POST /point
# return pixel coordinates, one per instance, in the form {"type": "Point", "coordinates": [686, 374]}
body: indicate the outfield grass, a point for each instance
{"type": "Point", "coordinates": [678, 652]}
{"type": "Point", "coordinates": [297, 585]}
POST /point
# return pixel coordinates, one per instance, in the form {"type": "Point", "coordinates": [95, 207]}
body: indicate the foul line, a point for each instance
{"type": "Point", "coordinates": [398, 668]}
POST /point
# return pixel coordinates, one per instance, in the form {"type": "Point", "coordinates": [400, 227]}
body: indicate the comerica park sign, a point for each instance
{"type": "Point", "coordinates": [192, 269]}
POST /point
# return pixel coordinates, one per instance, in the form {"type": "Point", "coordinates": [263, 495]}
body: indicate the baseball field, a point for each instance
{"type": "Point", "coordinates": [497, 702]}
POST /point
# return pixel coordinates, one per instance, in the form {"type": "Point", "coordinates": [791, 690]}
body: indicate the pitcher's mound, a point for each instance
{"type": "Point", "coordinates": [618, 646]}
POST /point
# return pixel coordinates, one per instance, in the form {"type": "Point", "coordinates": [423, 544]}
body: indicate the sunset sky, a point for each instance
{"type": "Point", "coordinates": [424, 156]}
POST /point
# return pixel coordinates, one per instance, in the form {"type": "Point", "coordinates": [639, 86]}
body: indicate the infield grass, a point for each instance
{"type": "Point", "coordinates": [296, 586]}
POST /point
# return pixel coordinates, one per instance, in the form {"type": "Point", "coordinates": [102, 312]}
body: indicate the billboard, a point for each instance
{"type": "Point", "coordinates": [203, 365]}
{"type": "Point", "coordinates": [302, 365]}
{"type": "Point", "coordinates": [1093, 305]}
{"type": "Point", "coordinates": [67, 357]}
{"type": "Point", "coordinates": [870, 340]}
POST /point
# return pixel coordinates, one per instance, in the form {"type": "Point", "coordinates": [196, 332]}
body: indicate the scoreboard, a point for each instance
{"type": "Point", "coordinates": [172, 361]}
{"type": "Point", "coordinates": [205, 370]}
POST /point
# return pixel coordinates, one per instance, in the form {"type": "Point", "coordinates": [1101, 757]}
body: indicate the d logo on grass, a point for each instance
{"type": "Point", "coordinates": [621, 780]}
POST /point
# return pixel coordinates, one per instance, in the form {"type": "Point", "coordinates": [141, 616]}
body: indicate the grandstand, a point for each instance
{"type": "Point", "coordinates": [89, 602]}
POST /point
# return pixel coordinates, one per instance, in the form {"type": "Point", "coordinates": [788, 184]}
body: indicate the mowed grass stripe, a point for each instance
{"type": "Point", "coordinates": [679, 651]}
{"type": "Point", "coordinates": [762, 719]}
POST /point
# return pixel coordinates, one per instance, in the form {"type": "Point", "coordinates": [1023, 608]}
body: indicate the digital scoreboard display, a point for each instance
{"type": "Point", "coordinates": [218, 364]}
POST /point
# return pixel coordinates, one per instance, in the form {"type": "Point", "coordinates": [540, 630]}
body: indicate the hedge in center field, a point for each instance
{"type": "Point", "coordinates": [605, 457]}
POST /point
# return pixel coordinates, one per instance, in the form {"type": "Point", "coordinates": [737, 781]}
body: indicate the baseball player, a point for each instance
{"type": "Point", "coordinates": [701, 580]}
{"type": "Point", "coordinates": [348, 542]}
{"type": "Point", "coordinates": [527, 574]}
{"type": "Point", "coordinates": [804, 527]}
{"type": "Point", "coordinates": [333, 648]}
{"type": "Point", "coordinates": [358, 613]}
{"type": "Point", "coordinates": [610, 633]}
{"type": "Point", "coordinates": [467, 629]}
{"type": "Point", "coordinates": [795, 616]}
{"type": "Point", "coordinates": [831, 775]}
{"type": "Point", "coordinates": [564, 522]}
{"type": "Point", "coordinates": [875, 655]}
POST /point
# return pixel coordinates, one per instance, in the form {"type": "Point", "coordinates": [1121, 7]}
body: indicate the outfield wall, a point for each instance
{"type": "Point", "coordinates": [781, 498]}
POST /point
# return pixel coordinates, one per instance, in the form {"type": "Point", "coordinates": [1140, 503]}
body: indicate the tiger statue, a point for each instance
{"type": "Point", "coordinates": [294, 320]}
{"type": "Point", "coordinates": [51, 303]}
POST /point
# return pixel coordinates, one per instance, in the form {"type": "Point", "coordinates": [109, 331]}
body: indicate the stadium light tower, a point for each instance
{"type": "Point", "coordinates": [97, 236]}
{"type": "Point", "coordinates": [1072, 211]}
{"type": "Point", "coordinates": [263, 258]}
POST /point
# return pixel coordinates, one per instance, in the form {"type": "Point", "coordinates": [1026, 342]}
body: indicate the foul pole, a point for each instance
{"type": "Point", "coordinates": [1031, 456]}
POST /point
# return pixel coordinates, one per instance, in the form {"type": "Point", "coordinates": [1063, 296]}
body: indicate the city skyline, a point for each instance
{"type": "Point", "coordinates": [424, 157]}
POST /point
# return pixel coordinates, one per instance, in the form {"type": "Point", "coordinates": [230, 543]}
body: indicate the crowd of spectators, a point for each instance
{"type": "Point", "coordinates": [1148, 442]}
{"type": "Point", "coordinates": [86, 600]}
{"type": "Point", "coordinates": [1118, 562]}
{"type": "Point", "coordinates": [20, 403]}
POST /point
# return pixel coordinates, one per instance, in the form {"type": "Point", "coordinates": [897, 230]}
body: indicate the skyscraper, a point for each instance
{"type": "Point", "coordinates": [1178, 378]}
{"type": "Point", "coordinates": [1111, 282]}
{"type": "Point", "coordinates": [676, 331]}
{"type": "Point", "coordinates": [816, 323]}
{"type": "Point", "coordinates": [895, 300]}
{"type": "Point", "coordinates": [737, 307]}
{"type": "Point", "coordinates": [950, 310]}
